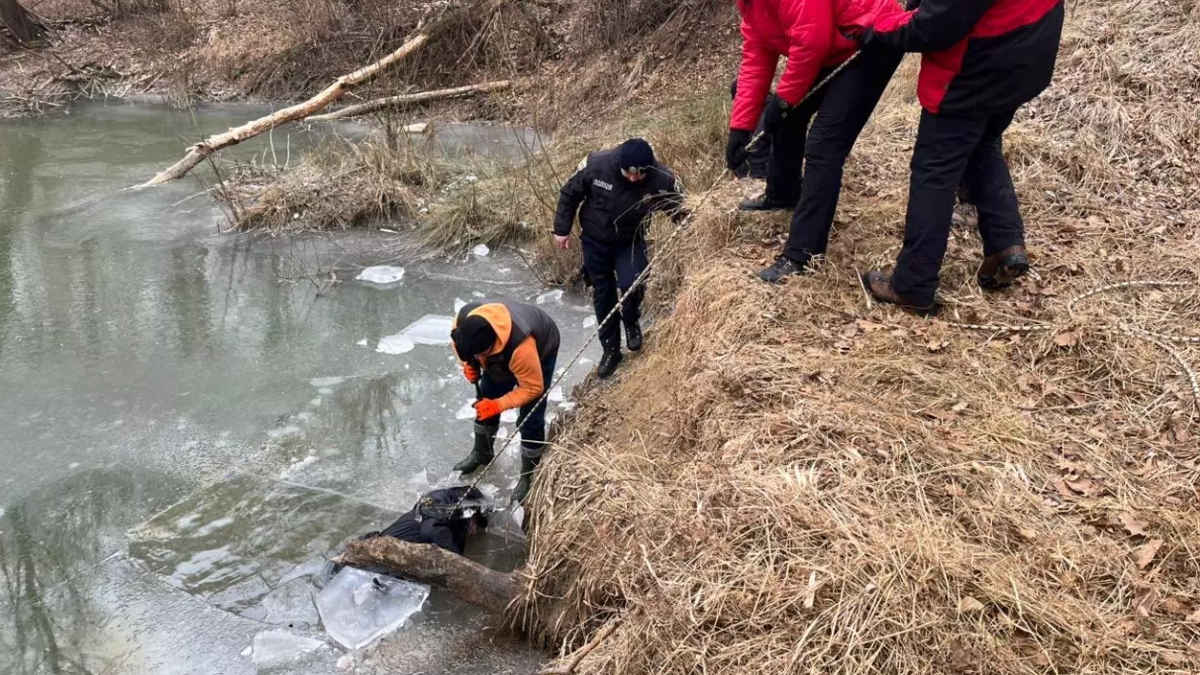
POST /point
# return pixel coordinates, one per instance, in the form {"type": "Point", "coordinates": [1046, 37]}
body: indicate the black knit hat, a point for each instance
{"type": "Point", "coordinates": [635, 153]}
{"type": "Point", "coordinates": [474, 336]}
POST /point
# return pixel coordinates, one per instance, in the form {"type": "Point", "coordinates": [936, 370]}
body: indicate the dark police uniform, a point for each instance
{"type": "Point", "coordinates": [612, 213]}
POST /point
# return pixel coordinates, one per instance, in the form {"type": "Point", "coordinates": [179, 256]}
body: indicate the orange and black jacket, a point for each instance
{"type": "Point", "coordinates": [525, 338]}
{"type": "Point", "coordinates": [981, 57]}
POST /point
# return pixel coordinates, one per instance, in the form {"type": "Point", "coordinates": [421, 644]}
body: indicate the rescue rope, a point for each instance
{"type": "Point", "coordinates": [637, 283]}
{"type": "Point", "coordinates": [1160, 340]}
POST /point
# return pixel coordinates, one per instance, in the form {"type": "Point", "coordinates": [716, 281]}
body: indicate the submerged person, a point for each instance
{"type": "Point", "coordinates": [447, 518]}
{"type": "Point", "coordinates": [813, 37]}
{"type": "Point", "coordinates": [508, 350]}
{"type": "Point", "coordinates": [614, 192]}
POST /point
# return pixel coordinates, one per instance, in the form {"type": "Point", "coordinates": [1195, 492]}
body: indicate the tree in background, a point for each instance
{"type": "Point", "coordinates": [21, 26]}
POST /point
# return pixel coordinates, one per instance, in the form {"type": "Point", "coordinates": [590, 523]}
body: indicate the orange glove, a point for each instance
{"type": "Point", "coordinates": [486, 409]}
{"type": "Point", "coordinates": [470, 372]}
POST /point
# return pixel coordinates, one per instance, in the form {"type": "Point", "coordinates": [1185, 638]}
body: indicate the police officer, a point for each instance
{"type": "Point", "coordinates": [613, 192]}
{"type": "Point", "coordinates": [508, 350]}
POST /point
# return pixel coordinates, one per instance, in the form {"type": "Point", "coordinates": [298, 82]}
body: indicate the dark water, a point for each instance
{"type": "Point", "coordinates": [188, 424]}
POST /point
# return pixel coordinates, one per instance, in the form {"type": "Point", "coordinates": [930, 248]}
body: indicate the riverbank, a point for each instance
{"type": "Point", "coordinates": [793, 480]}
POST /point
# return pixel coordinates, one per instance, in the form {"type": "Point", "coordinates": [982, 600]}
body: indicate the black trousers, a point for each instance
{"type": "Point", "coordinates": [951, 151]}
{"type": "Point", "coordinates": [842, 109]}
{"type": "Point", "coordinates": [612, 267]}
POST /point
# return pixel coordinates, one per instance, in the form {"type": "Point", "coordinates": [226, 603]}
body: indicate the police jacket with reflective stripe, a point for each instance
{"type": "Point", "coordinates": [611, 208]}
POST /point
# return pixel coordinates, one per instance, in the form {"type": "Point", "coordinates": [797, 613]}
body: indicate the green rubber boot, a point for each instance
{"type": "Point", "coordinates": [482, 454]}
{"type": "Point", "coordinates": [528, 464]}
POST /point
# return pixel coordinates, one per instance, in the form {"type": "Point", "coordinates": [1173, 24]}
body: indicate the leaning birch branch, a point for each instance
{"type": "Point", "coordinates": [403, 100]}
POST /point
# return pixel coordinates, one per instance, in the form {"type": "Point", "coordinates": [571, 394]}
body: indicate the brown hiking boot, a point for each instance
{"type": "Point", "coordinates": [879, 286]}
{"type": "Point", "coordinates": [999, 270]}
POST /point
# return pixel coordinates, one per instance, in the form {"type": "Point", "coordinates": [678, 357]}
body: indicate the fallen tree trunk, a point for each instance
{"type": "Point", "coordinates": [413, 99]}
{"type": "Point", "coordinates": [466, 579]}
{"type": "Point", "coordinates": [200, 151]}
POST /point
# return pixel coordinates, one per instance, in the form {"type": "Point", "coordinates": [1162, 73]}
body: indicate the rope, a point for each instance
{"type": "Point", "coordinates": [639, 280]}
{"type": "Point", "coordinates": [817, 87]}
{"type": "Point", "coordinates": [1160, 340]}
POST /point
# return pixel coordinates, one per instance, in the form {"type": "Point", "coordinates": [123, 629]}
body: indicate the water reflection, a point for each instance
{"type": "Point", "coordinates": [48, 543]}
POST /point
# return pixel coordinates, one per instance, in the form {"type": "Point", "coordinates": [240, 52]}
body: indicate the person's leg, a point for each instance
{"type": "Point", "coordinates": [629, 263]}
{"type": "Point", "coordinates": [848, 104]}
{"type": "Point", "coordinates": [787, 153]}
{"type": "Point", "coordinates": [482, 451]}
{"type": "Point", "coordinates": [598, 260]}
{"type": "Point", "coordinates": [990, 184]}
{"type": "Point", "coordinates": [944, 147]}
{"type": "Point", "coordinates": [533, 432]}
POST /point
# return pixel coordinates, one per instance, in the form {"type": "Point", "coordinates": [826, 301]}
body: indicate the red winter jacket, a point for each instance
{"type": "Point", "coordinates": [981, 57]}
{"type": "Point", "coordinates": [806, 32]}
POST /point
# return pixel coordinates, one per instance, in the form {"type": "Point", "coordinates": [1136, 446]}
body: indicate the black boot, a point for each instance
{"type": "Point", "coordinates": [609, 362]}
{"type": "Point", "coordinates": [528, 464]}
{"type": "Point", "coordinates": [781, 269]}
{"type": "Point", "coordinates": [481, 454]}
{"type": "Point", "coordinates": [765, 203]}
{"type": "Point", "coordinates": [633, 337]}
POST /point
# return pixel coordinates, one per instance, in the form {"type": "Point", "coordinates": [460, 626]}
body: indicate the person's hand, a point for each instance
{"type": "Point", "coordinates": [736, 153]}
{"type": "Point", "coordinates": [776, 112]}
{"type": "Point", "coordinates": [562, 242]}
{"type": "Point", "coordinates": [470, 372]}
{"type": "Point", "coordinates": [486, 409]}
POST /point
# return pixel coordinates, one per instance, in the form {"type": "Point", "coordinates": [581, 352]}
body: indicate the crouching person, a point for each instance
{"type": "Point", "coordinates": [508, 350]}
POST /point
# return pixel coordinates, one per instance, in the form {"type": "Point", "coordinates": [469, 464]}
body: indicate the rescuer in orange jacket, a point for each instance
{"type": "Point", "coordinates": [983, 59]}
{"type": "Point", "coordinates": [508, 350]}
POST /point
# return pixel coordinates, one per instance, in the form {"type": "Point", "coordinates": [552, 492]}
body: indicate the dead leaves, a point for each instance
{"type": "Point", "coordinates": [1066, 339]}
{"type": "Point", "coordinates": [1133, 525]}
{"type": "Point", "coordinates": [969, 605]}
{"type": "Point", "coordinates": [1146, 552]}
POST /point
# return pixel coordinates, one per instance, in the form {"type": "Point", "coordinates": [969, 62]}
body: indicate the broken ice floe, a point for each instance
{"type": "Point", "coordinates": [279, 647]}
{"type": "Point", "coordinates": [481, 250]}
{"type": "Point", "coordinates": [381, 275]}
{"type": "Point", "coordinates": [358, 607]}
{"type": "Point", "coordinates": [550, 296]}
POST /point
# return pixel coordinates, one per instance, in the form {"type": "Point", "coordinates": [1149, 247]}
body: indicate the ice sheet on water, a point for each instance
{"type": "Point", "coordinates": [466, 412]}
{"type": "Point", "coordinates": [259, 543]}
{"type": "Point", "coordinates": [431, 329]}
{"type": "Point", "coordinates": [362, 342]}
{"type": "Point", "coordinates": [589, 322]}
{"type": "Point", "coordinates": [395, 344]}
{"type": "Point", "coordinates": [273, 648]}
{"type": "Point", "coordinates": [320, 382]}
{"type": "Point", "coordinates": [381, 275]}
{"type": "Point", "coordinates": [550, 296]}
{"type": "Point", "coordinates": [566, 406]}
{"type": "Point", "coordinates": [510, 416]}
{"type": "Point", "coordinates": [556, 395]}
{"type": "Point", "coordinates": [481, 250]}
{"type": "Point", "coordinates": [358, 607]}
{"type": "Point", "coordinates": [459, 303]}
{"type": "Point", "coordinates": [288, 605]}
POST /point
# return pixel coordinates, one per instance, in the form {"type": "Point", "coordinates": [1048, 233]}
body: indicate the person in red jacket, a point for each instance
{"type": "Point", "coordinates": [810, 33]}
{"type": "Point", "coordinates": [982, 60]}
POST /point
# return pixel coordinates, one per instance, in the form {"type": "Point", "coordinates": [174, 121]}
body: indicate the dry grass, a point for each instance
{"type": "Point", "coordinates": [789, 480]}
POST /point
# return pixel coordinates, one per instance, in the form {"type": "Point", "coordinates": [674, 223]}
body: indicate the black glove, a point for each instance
{"type": "Point", "coordinates": [773, 117]}
{"type": "Point", "coordinates": [736, 153]}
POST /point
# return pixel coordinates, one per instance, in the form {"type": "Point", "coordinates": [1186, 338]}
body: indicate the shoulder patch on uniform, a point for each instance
{"type": "Point", "coordinates": [582, 165]}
